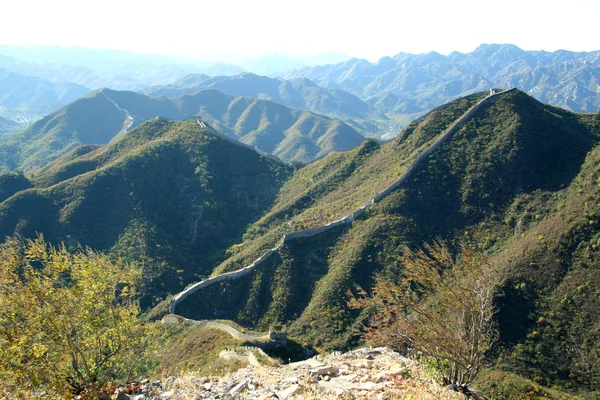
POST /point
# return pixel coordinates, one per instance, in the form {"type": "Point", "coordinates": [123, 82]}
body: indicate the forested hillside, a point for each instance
{"type": "Point", "coordinates": [175, 221]}
{"type": "Point", "coordinates": [293, 135]}
{"type": "Point", "coordinates": [519, 181]}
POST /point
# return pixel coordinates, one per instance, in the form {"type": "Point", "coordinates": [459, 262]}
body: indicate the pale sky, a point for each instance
{"type": "Point", "coordinates": [233, 29]}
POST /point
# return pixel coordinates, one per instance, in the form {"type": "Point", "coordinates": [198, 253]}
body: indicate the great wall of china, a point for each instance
{"type": "Point", "coordinates": [348, 219]}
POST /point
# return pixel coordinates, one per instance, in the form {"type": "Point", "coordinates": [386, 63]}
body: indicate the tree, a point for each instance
{"type": "Point", "coordinates": [438, 304]}
{"type": "Point", "coordinates": [68, 321]}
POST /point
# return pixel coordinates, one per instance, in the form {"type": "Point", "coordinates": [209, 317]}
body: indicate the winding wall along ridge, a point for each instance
{"type": "Point", "coordinates": [127, 113]}
{"type": "Point", "coordinates": [239, 143]}
{"type": "Point", "coordinates": [344, 220]}
{"type": "Point", "coordinates": [244, 337]}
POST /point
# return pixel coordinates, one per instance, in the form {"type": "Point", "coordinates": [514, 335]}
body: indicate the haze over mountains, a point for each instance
{"type": "Point", "coordinates": [408, 83]}
{"type": "Point", "coordinates": [120, 70]}
{"type": "Point", "coordinates": [28, 98]}
{"type": "Point", "coordinates": [9, 126]}
{"type": "Point", "coordinates": [376, 99]}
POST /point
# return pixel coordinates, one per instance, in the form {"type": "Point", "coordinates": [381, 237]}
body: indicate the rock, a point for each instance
{"type": "Point", "coordinates": [327, 378]}
{"type": "Point", "coordinates": [145, 381]}
{"type": "Point", "coordinates": [311, 379]}
{"type": "Point", "coordinates": [336, 386]}
{"type": "Point", "coordinates": [147, 388]}
{"type": "Point", "coordinates": [271, 396]}
{"type": "Point", "coordinates": [380, 377]}
{"type": "Point", "coordinates": [121, 395]}
{"type": "Point", "coordinates": [453, 387]}
{"type": "Point", "coordinates": [324, 370]}
{"type": "Point", "coordinates": [311, 362]}
{"type": "Point", "coordinates": [367, 386]}
{"type": "Point", "coordinates": [167, 395]}
{"type": "Point", "coordinates": [140, 397]}
{"type": "Point", "coordinates": [251, 386]}
{"type": "Point", "coordinates": [239, 388]}
{"type": "Point", "coordinates": [208, 386]}
{"type": "Point", "coordinates": [289, 392]}
{"type": "Point", "coordinates": [350, 378]}
{"type": "Point", "coordinates": [292, 380]}
{"type": "Point", "coordinates": [169, 319]}
{"type": "Point", "coordinates": [396, 370]}
{"type": "Point", "coordinates": [477, 394]}
{"type": "Point", "coordinates": [169, 381]}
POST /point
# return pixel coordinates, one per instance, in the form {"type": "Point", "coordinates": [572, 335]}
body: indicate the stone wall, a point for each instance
{"type": "Point", "coordinates": [348, 219]}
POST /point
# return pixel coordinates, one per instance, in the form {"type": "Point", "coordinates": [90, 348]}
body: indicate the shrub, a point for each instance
{"type": "Point", "coordinates": [439, 305]}
{"type": "Point", "coordinates": [68, 322]}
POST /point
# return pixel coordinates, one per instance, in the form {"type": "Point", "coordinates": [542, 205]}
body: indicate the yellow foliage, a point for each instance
{"type": "Point", "coordinates": [68, 322]}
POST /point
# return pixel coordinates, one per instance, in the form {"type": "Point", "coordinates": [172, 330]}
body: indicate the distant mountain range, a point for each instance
{"type": "Point", "coordinates": [272, 64]}
{"type": "Point", "coordinates": [121, 70]}
{"type": "Point", "coordinates": [413, 83]}
{"type": "Point", "coordinates": [93, 68]}
{"type": "Point", "coordinates": [375, 99]}
{"type": "Point", "coordinates": [29, 98]}
{"type": "Point", "coordinates": [294, 135]}
{"type": "Point", "coordinates": [300, 93]}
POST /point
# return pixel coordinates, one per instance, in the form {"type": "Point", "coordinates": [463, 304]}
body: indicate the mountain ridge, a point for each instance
{"type": "Point", "coordinates": [348, 219]}
{"type": "Point", "coordinates": [503, 192]}
{"type": "Point", "coordinates": [430, 79]}
{"type": "Point", "coordinates": [208, 194]}
{"type": "Point", "coordinates": [298, 93]}
{"type": "Point", "coordinates": [517, 181]}
{"type": "Point", "coordinates": [106, 114]}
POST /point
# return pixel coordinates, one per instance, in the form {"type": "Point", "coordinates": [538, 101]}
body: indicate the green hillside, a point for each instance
{"type": "Point", "coordinates": [11, 183]}
{"type": "Point", "coordinates": [94, 119]}
{"type": "Point", "coordinates": [300, 93]}
{"type": "Point", "coordinates": [8, 126]}
{"type": "Point", "coordinates": [519, 180]}
{"type": "Point", "coordinates": [293, 135]}
{"type": "Point", "coordinates": [167, 195]}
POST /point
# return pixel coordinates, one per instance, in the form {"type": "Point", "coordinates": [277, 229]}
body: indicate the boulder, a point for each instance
{"type": "Point", "coordinates": [289, 392]}
{"type": "Point", "coordinates": [324, 370]}
{"type": "Point", "coordinates": [239, 388]}
{"type": "Point", "coordinates": [121, 395]}
{"type": "Point", "coordinates": [477, 394]}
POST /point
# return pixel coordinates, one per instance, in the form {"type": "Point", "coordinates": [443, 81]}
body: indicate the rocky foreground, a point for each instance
{"type": "Point", "coordinates": [375, 374]}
